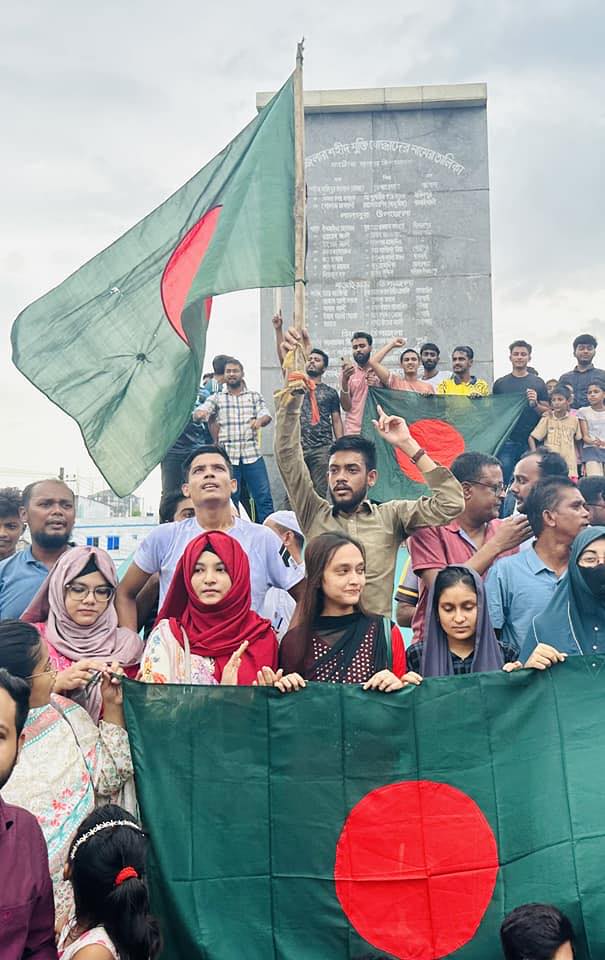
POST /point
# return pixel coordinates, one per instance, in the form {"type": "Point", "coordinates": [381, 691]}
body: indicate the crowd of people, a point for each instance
{"type": "Point", "coordinates": [301, 594]}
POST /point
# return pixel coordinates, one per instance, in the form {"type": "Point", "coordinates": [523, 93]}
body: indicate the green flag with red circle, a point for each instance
{"type": "Point", "coordinates": [338, 824]}
{"type": "Point", "coordinates": [119, 345]}
{"type": "Point", "coordinates": [443, 426]}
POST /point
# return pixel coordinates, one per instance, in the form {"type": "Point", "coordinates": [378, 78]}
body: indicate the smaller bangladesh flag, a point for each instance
{"type": "Point", "coordinates": [336, 824]}
{"type": "Point", "coordinates": [443, 426]}
{"type": "Point", "coordinates": [119, 345]}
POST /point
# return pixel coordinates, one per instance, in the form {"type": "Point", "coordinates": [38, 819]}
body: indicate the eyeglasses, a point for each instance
{"type": "Point", "coordinates": [46, 671]}
{"type": "Point", "coordinates": [496, 488]}
{"type": "Point", "coordinates": [79, 591]}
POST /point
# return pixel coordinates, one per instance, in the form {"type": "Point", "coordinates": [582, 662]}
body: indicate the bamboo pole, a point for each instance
{"type": "Point", "coordinates": [300, 226]}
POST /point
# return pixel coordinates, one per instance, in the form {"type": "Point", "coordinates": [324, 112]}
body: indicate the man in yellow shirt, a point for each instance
{"type": "Point", "coordinates": [462, 383]}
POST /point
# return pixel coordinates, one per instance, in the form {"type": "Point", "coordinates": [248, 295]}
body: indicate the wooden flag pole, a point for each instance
{"type": "Point", "coordinates": [299, 194]}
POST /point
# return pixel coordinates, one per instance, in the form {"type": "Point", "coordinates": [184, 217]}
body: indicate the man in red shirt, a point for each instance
{"type": "Point", "coordinates": [27, 912]}
{"type": "Point", "coordinates": [476, 539]}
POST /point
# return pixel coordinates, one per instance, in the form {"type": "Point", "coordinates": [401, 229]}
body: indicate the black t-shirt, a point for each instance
{"type": "Point", "coordinates": [320, 434]}
{"type": "Point", "coordinates": [529, 417]}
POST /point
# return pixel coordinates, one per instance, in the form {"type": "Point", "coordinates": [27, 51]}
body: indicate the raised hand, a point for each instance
{"type": "Point", "coordinates": [293, 338]}
{"type": "Point", "coordinates": [231, 668]}
{"type": "Point", "coordinates": [277, 321]}
{"type": "Point", "coordinates": [393, 429]}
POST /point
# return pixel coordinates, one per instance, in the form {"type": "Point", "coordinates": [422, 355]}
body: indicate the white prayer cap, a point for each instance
{"type": "Point", "coordinates": [287, 519]}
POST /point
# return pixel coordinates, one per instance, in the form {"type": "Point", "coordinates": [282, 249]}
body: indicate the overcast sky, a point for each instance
{"type": "Point", "coordinates": [107, 109]}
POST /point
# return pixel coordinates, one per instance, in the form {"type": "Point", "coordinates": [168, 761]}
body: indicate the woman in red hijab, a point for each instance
{"type": "Point", "coordinates": [206, 632]}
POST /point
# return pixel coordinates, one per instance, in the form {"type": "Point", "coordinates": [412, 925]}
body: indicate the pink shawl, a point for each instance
{"type": "Point", "coordinates": [104, 639]}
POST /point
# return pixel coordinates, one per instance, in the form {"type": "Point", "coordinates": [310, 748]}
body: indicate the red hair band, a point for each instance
{"type": "Point", "coordinates": [127, 873]}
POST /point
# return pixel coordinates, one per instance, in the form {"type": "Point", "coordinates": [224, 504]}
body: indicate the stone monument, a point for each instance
{"type": "Point", "coordinates": [397, 222]}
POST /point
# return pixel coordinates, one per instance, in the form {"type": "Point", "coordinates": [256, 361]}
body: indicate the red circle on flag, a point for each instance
{"type": "Point", "coordinates": [440, 440]}
{"type": "Point", "coordinates": [416, 866]}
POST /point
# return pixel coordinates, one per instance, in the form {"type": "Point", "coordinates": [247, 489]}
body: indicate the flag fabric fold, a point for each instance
{"type": "Point", "coordinates": [119, 345]}
{"type": "Point", "coordinates": [334, 824]}
{"type": "Point", "coordinates": [443, 426]}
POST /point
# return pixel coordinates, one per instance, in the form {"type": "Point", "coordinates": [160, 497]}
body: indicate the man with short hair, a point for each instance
{"type": "Point", "coordinates": [519, 588]}
{"type": "Point", "coordinates": [49, 510]}
{"type": "Point", "coordinates": [593, 491]}
{"type": "Point", "coordinates": [240, 414]}
{"type": "Point", "coordinates": [520, 380]}
{"type": "Point", "coordinates": [537, 931]}
{"type": "Point", "coordinates": [315, 437]}
{"type": "Point", "coordinates": [355, 378]}
{"type": "Point", "coordinates": [175, 506]}
{"type": "Point", "coordinates": [27, 910]}
{"type": "Point", "coordinates": [476, 539]}
{"type": "Point", "coordinates": [352, 473]}
{"type": "Point", "coordinates": [462, 383]}
{"type": "Point", "coordinates": [430, 355]}
{"type": "Point", "coordinates": [533, 466]}
{"type": "Point", "coordinates": [279, 604]}
{"type": "Point", "coordinates": [11, 521]}
{"type": "Point", "coordinates": [582, 375]}
{"type": "Point", "coordinates": [210, 484]}
{"type": "Point", "coordinates": [406, 378]}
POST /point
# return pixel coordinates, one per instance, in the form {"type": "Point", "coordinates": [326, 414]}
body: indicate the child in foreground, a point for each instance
{"type": "Point", "coordinates": [106, 868]}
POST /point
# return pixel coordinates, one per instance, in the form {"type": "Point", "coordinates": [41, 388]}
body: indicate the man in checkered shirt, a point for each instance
{"type": "Point", "coordinates": [240, 414]}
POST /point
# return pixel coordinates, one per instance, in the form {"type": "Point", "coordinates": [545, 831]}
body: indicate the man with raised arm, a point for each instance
{"type": "Point", "coordinates": [351, 474]}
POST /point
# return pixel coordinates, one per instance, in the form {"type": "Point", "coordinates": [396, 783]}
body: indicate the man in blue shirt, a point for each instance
{"type": "Point", "coordinates": [519, 588]}
{"type": "Point", "coordinates": [50, 512]}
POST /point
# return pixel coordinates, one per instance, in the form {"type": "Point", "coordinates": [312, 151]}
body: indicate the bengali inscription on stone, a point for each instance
{"type": "Point", "coordinates": [398, 232]}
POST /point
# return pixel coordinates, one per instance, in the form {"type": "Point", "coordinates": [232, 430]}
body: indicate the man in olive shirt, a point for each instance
{"type": "Point", "coordinates": [352, 471]}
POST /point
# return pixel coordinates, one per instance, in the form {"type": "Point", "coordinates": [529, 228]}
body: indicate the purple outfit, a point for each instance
{"type": "Point", "coordinates": [27, 910]}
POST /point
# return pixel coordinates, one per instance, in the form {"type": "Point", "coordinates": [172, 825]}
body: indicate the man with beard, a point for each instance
{"type": "Point", "coordinates": [355, 378]}
{"type": "Point", "coordinates": [26, 894]}
{"type": "Point", "coordinates": [535, 465]}
{"type": "Point", "coordinates": [316, 438]}
{"type": "Point", "coordinates": [463, 383]}
{"type": "Point", "coordinates": [240, 414]}
{"type": "Point", "coordinates": [50, 513]}
{"type": "Point", "coordinates": [429, 357]}
{"type": "Point", "coordinates": [351, 474]}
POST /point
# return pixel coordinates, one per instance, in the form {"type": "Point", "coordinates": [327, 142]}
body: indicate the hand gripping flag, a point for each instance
{"type": "Point", "coordinates": [119, 345]}
{"type": "Point", "coordinates": [336, 824]}
{"type": "Point", "coordinates": [444, 426]}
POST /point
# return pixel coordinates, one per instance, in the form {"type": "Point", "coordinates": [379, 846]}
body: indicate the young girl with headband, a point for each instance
{"type": "Point", "coordinates": [106, 868]}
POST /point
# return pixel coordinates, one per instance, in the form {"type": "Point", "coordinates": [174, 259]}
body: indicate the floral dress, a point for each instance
{"type": "Point", "coordinates": [166, 661]}
{"type": "Point", "coordinates": [96, 936]}
{"type": "Point", "coordinates": [66, 768]}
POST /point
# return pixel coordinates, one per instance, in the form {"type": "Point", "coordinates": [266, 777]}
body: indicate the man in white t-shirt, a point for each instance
{"type": "Point", "coordinates": [430, 355]}
{"type": "Point", "coordinates": [209, 483]}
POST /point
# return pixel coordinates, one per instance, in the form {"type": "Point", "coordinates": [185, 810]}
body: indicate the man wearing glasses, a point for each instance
{"type": "Point", "coordinates": [477, 538]}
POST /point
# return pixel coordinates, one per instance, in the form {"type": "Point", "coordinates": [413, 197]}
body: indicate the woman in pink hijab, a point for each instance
{"type": "Point", "coordinates": [74, 611]}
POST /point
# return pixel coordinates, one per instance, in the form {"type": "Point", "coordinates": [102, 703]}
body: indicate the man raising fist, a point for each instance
{"type": "Point", "coordinates": [351, 473]}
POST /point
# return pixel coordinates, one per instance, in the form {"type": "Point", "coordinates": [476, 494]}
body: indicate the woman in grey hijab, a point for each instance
{"type": "Point", "coordinates": [458, 634]}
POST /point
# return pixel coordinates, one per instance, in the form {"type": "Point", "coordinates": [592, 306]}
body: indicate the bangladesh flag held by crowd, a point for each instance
{"type": "Point", "coordinates": [444, 426]}
{"type": "Point", "coordinates": [119, 345]}
{"type": "Point", "coordinates": [336, 824]}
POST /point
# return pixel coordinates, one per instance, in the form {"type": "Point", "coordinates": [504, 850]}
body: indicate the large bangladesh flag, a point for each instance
{"type": "Point", "coordinates": [119, 345]}
{"type": "Point", "coordinates": [444, 426]}
{"type": "Point", "coordinates": [333, 824]}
